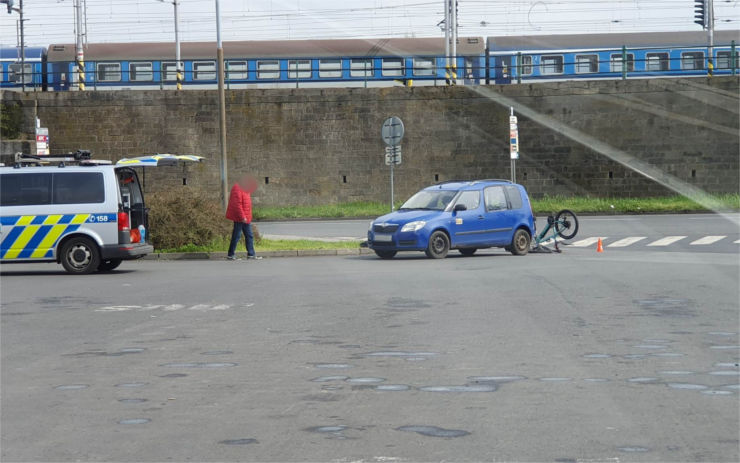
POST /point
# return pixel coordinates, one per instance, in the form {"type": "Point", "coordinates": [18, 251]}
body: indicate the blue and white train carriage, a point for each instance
{"type": "Point", "coordinates": [13, 73]}
{"type": "Point", "coordinates": [286, 63]}
{"type": "Point", "coordinates": [606, 56]}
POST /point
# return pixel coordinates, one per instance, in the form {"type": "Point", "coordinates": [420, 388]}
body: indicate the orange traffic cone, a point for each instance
{"type": "Point", "coordinates": [599, 247]}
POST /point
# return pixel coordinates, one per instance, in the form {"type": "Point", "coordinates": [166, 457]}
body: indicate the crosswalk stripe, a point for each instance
{"type": "Point", "coordinates": [667, 240]}
{"type": "Point", "coordinates": [708, 240]}
{"type": "Point", "coordinates": [627, 241]}
{"type": "Point", "coordinates": [737, 242]}
{"type": "Point", "coordinates": [587, 242]}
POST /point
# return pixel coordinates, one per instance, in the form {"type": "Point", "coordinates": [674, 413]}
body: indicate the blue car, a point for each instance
{"type": "Point", "coordinates": [466, 216]}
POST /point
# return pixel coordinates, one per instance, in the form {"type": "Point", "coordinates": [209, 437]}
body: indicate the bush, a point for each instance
{"type": "Point", "coordinates": [187, 218]}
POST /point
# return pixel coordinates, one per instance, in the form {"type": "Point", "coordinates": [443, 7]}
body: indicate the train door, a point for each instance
{"type": "Point", "coordinates": [501, 69]}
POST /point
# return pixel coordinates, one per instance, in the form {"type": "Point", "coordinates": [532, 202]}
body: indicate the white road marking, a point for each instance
{"type": "Point", "coordinates": [626, 241]}
{"type": "Point", "coordinates": [707, 240]}
{"type": "Point", "coordinates": [587, 242]}
{"type": "Point", "coordinates": [667, 240]}
{"type": "Point", "coordinates": [737, 242]}
{"type": "Point", "coordinates": [168, 308]}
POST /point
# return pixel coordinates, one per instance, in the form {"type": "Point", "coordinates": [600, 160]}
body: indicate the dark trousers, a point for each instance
{"type": "Point", "coordinates": [246, 229]}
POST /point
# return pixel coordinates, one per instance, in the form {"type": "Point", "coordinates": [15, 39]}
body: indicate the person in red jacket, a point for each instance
{"type": "Point", "coordinates": [239, 210]}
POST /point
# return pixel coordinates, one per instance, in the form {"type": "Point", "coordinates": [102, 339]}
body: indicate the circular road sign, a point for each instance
{"type": "Point", "coordinates": [392, 131]}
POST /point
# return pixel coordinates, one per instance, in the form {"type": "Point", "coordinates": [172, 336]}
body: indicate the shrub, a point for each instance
{"type": "Point", "coordinates": [187, 217]}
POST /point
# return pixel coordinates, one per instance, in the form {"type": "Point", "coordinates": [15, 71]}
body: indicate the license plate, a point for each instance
{"type": "Point", "coordinates": [383, 238]}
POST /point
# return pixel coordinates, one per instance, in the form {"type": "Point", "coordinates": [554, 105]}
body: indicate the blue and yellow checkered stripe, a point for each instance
{"type": "Point", "coordinates": [35, 236]}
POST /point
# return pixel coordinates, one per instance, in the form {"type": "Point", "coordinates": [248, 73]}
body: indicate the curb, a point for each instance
{"type": "Point", "coordinates": [266, 254]}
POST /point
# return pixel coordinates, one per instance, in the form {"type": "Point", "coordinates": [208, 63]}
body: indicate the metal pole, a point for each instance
{"type": "Point", "coordinates": [624, 62]}
{"type": "Point", "coordinates": [733, 58]}
{"type": "Point", "coordinates": [447, 42]}
{"type": "Point", "coordinates": [393, 207]}
{"type": "Point", "coordinates": [453, 33]}
{"type": "Point", "coordinates": [710, 28]}
{"type": "Point", "coordinates": [519, 68]}
{"type": "Point", "coordinates": [178, 65]}
{"type": "Point", "coordinates": [513, 161]}
{"type": "Point", "coordinates": [23, 50]}
{"type": "Point", "coordinates": [221, 107]}
{"type": "Point", "coordinates": [80, 54]}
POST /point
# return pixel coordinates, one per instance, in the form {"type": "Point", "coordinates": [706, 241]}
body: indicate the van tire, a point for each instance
{"type": "Point", "coordinates": [80, 255]}
{"type": "Point", "coordinates": [520, 243]}
{"type": "Point", "coordinates": [108, 265]}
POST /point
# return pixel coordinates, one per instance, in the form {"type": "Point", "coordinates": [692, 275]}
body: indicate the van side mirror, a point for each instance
{"type": "Point", "coordinates": [459, 207]}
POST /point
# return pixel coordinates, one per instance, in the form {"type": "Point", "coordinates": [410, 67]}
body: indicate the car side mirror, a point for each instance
{"type": "Point", "coordinates": [459, 207]}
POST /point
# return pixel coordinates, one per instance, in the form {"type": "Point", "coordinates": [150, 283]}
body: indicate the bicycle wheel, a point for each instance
{"type": "Point", "coordinates": [566, 224]}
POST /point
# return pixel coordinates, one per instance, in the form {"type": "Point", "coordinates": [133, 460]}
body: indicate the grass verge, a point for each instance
{"type": "Point", "coordinates": [675, 204]}
{"type": "Point", "coordinates": [222, 245]}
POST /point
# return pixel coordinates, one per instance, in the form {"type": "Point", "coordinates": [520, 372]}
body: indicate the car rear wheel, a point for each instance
{"type": "Point", "coordinates": [385, 254]}
{"type": "Point", "coordinates": [80, 255]}
{"type": "Point", "coordinates": [108, 265]}
{"type": "Point", "coordinates": [520, 242]}
{"type": "Point", "coordinates": [439, 245]}
{"type": "Point", "coordinates": [467, 251]}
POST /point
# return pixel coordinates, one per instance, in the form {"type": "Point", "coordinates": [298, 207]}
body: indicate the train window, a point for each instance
{"type": "Point", "coordinates": [525, 65]}
{"type": "Point", "coordinates": [551, 64]}
{"type": "Point", "coordinates": [392, 67]}
{"type": "Point", "coordinates": [109, 72]}
{"type": "Point", "coordinates": [169, 70]}
{"type": "Point", "coordinates": [361, 68]}
{"type": "Point", "coordinates": [587, 64]}
{"type": "Point", "coordinates": [15, 74]}
{"type": "Point", "coordinates": [204, 70]}
{"type": "Point", "coordinates": [140, 72]}
{"type": "Point", "coordinates": [615, 65]}
{"type": "Point", "coordinates": [724, 60]}
{"type": "Point", "coordinates": [330, 68]}
{"type": "Point", "coordinates": [692, 60]}
{"type": "Point", "coordinates": [268, 69]}
{"type": "Point", "coordinates": [656, 61]}
{"type": "Point", "coordinates": [236, 70]}
{"type": "Point", "coordinates": [423, 66]}
{"type": "Point", "coordinates": [299, 69]}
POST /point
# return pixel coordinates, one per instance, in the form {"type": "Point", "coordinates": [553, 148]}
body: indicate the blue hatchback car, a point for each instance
{"type": "Point", "coordinates": [457, 215]}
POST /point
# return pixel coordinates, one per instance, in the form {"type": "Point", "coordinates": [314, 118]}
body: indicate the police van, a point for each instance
{"type": "Point", "coordinates": [87, 215]}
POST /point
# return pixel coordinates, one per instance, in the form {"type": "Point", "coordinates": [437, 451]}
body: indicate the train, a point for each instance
{"type": "Point", "coordinates": [375, 62]}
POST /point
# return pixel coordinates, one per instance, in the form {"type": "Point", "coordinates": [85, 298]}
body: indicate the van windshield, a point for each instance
{"type": "Point", "coordinates": [435, 200]}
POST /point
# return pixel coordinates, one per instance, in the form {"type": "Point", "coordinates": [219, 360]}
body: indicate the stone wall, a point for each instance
{"type": "Point", "coordinates": [313, 146]}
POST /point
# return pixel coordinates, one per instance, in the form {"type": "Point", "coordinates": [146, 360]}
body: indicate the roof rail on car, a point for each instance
{"type": "Point", "coordinates": [79, 157]}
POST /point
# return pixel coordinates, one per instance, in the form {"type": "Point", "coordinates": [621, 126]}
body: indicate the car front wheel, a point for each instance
{"type": "Point", "coordinates": [438, 246]}
{"type": "Point", "coordinates": [385, 254]}
{"type": "Point", "coordinates": [520, 243]}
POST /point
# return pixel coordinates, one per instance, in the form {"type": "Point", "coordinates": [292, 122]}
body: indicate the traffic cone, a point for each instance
{"type": "Point", "coordinates": [599, 247]}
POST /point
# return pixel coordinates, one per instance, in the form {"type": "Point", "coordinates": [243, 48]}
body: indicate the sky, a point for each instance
{"type": "Point", "coordinates": [52, 21]}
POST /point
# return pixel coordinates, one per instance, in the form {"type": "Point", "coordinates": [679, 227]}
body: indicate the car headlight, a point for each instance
{"type": "Point", "coordinates": [413, 226]}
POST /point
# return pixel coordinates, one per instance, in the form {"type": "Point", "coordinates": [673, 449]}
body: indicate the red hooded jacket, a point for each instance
{"type": "Point", "coordinates": [239, 208]}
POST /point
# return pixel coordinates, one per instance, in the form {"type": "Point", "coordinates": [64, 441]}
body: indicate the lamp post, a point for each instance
{"type": "Point", "coordinates": [221, 107]}
{"type": "Point", "coordinates": [178, 67]}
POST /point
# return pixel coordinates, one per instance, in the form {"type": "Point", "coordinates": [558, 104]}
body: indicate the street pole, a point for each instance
{"type": "Point", "coordinates": [23, 50]}
{"type": "Point", "coordinates": [80, 54]}
{"type": "Point", "coordinates": [453, 37]}
{"type": "Point", "coordinates": [447, 42]}
{"type": "Point", "coordinates": [221, 107]}
{"type": "Point", "coordinates": [710, 29]}
{"type": "Point", "coordinates": [178, 66]}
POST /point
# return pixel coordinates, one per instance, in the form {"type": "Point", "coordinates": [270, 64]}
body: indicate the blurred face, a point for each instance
{"type": "Point", "coordinates": [248, 183]}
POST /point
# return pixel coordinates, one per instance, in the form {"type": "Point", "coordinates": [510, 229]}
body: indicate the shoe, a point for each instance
{"type": "Point", "coordinates": [233, 258]}
{"type": "Point", "coordinates": [254, 257]}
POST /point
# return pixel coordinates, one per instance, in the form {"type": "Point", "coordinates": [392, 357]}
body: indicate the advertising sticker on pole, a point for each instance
{"type": "Point", "coordinates": [513, 137]}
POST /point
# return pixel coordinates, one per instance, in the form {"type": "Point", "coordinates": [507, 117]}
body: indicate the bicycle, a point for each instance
{"type": "Point", "coordinates": [564, 225]}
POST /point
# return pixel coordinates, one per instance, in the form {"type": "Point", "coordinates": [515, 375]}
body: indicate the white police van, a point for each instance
{"type": "Point", "coordinates": [87, 215]}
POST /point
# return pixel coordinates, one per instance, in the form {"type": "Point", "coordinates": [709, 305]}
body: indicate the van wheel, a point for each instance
{"type": "Point", "coordinates": [108, 265]}
{"type": "Point", "coordinates": [80, 255]}
{"type": "Point", "coordinates": [385, 254]}
{"type": "Point", "coordinates": [520, 243]}
{"type": "Point", "coordinates": [438, 246]}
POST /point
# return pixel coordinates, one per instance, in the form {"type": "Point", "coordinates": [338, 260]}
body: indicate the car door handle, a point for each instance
{"type": "Point", "coordinates": [480, 217]}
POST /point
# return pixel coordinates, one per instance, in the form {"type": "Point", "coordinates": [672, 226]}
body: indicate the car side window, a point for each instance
{"type": "Point", "coordinates": [471, 199]}
{"type": "Point", "coordinates": [495, 199]}
{"type": "Point", "coordinates": [515, 197]}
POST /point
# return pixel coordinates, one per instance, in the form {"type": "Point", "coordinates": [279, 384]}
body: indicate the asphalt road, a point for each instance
{"type": "Point", "coordinates": [650, 228]}
{"type": "Point", "coordinates": [620, 356]}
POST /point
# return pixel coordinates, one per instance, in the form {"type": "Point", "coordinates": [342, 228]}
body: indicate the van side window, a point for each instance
{"type": "Point", "coordinates": [515, 197]}
{"type": "Point", "coordinates": [495, 199]}
{"type": "Point", "coordinates": [471, 199]}
{"type": "Point", "coordinates": [78, 188]}
{"type": "Point", "coordinates": [25, 189]}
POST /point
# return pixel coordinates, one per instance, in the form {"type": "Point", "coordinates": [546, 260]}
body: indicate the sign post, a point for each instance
{"type": "Point", "coordinates": [42, 139]}
{"type": "Point", "coordinates": [513, 143]}
{"type": "Point", "coordinates": [392, 133]}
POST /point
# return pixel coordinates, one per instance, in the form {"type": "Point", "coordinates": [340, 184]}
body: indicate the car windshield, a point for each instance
{"type": "Point", "coordinates": [436, 200]}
